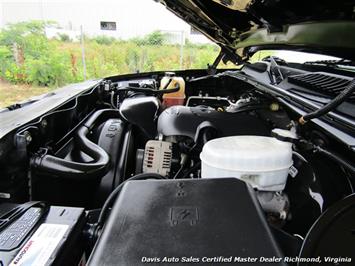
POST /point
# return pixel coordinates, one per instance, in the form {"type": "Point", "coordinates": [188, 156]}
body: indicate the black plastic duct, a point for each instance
{"type": "Point", "coordinates": [76, 170]}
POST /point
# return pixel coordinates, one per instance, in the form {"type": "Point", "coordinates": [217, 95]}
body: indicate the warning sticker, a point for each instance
{"type": "Point", "coordinates": [41, 245]}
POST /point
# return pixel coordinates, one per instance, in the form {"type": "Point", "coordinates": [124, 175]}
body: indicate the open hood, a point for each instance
{"type": "Point", "coordinates": [246, 26]}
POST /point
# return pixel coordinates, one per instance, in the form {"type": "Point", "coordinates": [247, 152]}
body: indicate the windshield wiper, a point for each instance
{"type": "Point", "coordinates": [274, 69]}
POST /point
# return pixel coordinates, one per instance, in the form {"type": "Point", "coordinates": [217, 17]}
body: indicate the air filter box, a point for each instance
{"type": "Point", "coordinates": [180, 220]}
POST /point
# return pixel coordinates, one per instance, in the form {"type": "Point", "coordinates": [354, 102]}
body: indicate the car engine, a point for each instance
{"type": "Point", "coordinates": [175, 166]}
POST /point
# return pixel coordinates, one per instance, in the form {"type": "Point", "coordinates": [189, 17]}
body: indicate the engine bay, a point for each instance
{"type": "Point", "coordinates": [176, 161]}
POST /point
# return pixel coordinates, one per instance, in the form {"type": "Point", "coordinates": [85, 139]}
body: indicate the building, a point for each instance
{"type": "Point", "coordinates": [122, 19]}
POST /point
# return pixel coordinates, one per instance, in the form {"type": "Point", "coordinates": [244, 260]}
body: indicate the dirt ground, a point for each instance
{"type": "Point", "coordinates": [14, 93]}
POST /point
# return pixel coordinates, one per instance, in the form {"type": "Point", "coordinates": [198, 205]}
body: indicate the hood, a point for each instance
{"type": "Point", "coordinates": [246, 26]}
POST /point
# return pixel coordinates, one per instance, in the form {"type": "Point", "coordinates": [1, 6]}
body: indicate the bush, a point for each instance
{"type": "Point", "coordinates": [105, 40]}
{"type": "Point", "coordinates": [64, 37]}
{"type": "Point", "coordinates": [30, 57]}
{"type": "Point", "coordinates": [5, 59]}
{"type": "Point", "coordinates": [50, 71]}
{"type": "Point", "coordinates": [155, 38]}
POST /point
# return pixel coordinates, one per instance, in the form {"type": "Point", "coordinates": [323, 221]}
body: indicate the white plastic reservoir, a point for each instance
{"type": "Point", "coordinates": [263, 162]}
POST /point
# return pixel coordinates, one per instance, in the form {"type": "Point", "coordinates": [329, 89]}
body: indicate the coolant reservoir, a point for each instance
{"type": "Point", "coordinates": [175, 98]}
{"type": "Point", "coordinates": [263, 162]}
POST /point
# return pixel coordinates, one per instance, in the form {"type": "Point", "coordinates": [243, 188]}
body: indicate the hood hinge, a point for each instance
{"type": "Point", "coordinates": [226, 54]}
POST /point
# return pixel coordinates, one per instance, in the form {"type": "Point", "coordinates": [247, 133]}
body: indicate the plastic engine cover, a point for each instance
{"type": "Point", "coordinates": [184, 121]}
{"type": "Point", "coordinates": [159, 219]}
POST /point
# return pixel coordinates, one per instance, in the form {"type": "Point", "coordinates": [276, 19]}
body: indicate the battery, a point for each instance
{"type": "Point", "coordinates": [55, 240]}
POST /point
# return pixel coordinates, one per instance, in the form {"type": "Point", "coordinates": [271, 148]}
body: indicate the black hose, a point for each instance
{"type": "Point", "coordinates": [117, 190]}
{"type": "Point", "coordinates": [167, 84]}
{"type": "Point", "coordinates": [104, 113]}
{"type": "Point", "coordinates": [331, 105]}
{"type": "Point", "coordinates": [336, 158]}
{"type": "Point", "coordinates": [179, 171]}
{"type": "Point", "coordinates": [192, 169]}
{"type": "Point", "coordinates": [74, 170]}
{"type": "Point", "coordinates": [154, 92]}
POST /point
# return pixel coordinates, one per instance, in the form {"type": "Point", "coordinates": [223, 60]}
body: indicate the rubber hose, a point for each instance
{"type": "Point", "coordinates": [331, 105]}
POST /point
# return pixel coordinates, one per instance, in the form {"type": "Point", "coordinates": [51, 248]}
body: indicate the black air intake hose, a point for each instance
{"type": "Point", "coordinates": [74, 170]}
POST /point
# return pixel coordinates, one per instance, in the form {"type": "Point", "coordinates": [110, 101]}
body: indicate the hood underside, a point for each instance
{"type": "Point", "coordinates": [246, 26]}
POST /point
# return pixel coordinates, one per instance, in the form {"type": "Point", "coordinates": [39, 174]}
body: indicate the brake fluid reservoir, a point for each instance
{"type": "Point", "coordinates": [175, 98]}
{"type": "Point", "coordinates": [263, 162]}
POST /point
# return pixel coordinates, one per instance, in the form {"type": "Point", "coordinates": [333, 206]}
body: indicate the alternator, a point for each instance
{"type": "Point", "coordinates": [157, 157]}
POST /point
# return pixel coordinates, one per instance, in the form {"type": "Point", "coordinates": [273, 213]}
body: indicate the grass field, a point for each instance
{"type": "Point", "coordinates": [14, 93]}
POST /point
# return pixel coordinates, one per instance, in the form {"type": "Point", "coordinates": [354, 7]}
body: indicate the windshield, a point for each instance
{"type": "Point", "coordinates": [48, 45]}
{"type": "Point", "coordinates": [292, 56]}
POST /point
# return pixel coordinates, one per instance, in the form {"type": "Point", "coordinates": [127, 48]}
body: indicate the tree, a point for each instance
{"type": "Point", "coordinates": [17, 32]}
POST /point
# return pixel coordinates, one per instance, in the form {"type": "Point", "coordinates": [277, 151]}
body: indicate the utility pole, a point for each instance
{"type": "Point", "coordinates": [181, 49]}
{"type": "Point", "coordinates": [41, 9]}
{"type": "Point", "coordinates": [2, 23]}
{"type": "Point", "coordinates": [82, 51]}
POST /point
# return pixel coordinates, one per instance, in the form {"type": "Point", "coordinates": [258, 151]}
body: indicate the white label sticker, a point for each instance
{"type": "Point", "coordinates": [41, 245]}
{"type": "Point", "coordinates": [293, 171]}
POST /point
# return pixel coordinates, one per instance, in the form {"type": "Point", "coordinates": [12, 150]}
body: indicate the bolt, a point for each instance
{"type": "Point", "coordinates": [28, 137]}
{"type": "Point", "coordinates": [44, 123]}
